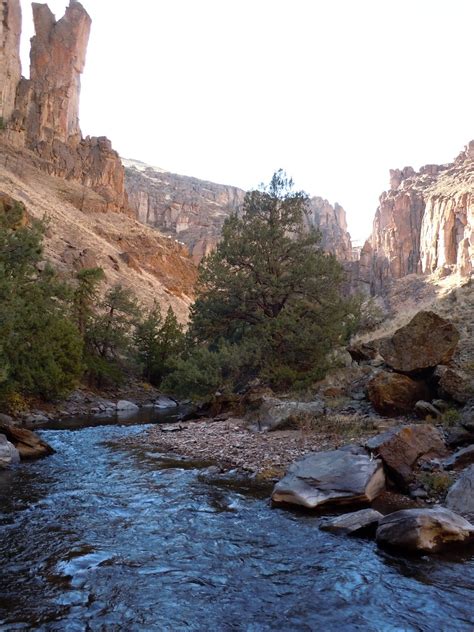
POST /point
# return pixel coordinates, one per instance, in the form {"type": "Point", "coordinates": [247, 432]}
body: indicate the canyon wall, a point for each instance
{"type": "Point", "coordinates": [193, 211]}
{"type": "Point", "coordinates": [424, 224]}
{"type": "Point", "coordinates": [43, 117]}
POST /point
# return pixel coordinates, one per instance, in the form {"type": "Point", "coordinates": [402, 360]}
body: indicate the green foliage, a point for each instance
{"type": "Point", "coordinates": [271, 294]}
{"type": "Point", "coordinates": [41, 350]}
{"type": "Point", "coordinates": [450, 417]}
{"type": "Point", "coordinates": [157, 343]}
{"type": "Point", "coordinates": [436, 483]}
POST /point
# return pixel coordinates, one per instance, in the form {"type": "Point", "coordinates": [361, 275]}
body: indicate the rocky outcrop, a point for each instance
{"type": "Point", "coordinates": [28, 444]}
{"type": "Point", "coordinates": [10, 67]}
{"type": "Point", "coordinates": [194, 211]}
{"type": "Point", "coordinates": [425, 530]}
{"type": "Point", "coordinates": [460, 496]}
{"type": "Point", "coordinates": [345, 476]}
{"type": "Point", "coordinates": [393, 394]}
{"type": "Point", "coordinates": [426, 341]}
{"type": "Point", "coordinates": [9, 455]}
{"type": "Point", "coordinates": [424, 224]}
{"type": "Point", "coordinates": [45, 118]}
{"type": "Point", "coordinates": [402, 449]}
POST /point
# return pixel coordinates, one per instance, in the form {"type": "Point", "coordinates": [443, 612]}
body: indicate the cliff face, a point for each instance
{"type": "Point", "coordinates": [193, 211]}
{"type": "Point", "coordinates": [45, 117]}
{"type": "Point", "coordinates": [10, 67]}
{"type": "Point", "coordinates": [424, 224]}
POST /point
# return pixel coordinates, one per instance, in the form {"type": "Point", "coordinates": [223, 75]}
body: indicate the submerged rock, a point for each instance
{"type": "Point", "coordinates": [28, 444]}
{"type": "Point", "coordinates": [401, 449]}
{"type": "Point", "coordinates": [354, 522]}
{"type": "Point", "coordinates": [9, 455]}
{"type": "Point", "coordinates": [336, 477]}
{"type": "Point", "coordinates": [460, 496]}
{"type": "Point", "coordinates": [428, 530]}
{"type": "Point", "coordinates": [426, 341]}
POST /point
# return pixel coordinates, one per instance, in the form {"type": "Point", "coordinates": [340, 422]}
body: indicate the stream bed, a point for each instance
{"type": "Point", "coordinates": [106, 537]}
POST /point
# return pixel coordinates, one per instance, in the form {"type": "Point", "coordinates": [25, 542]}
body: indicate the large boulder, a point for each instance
{"type": "Point", "coordinates": [164, 402]}
{"type": "Point", "coordinates": [276, 413]}
{"type": "Point", "coordinates": [394, 394]}
{"type": "Point", "coordinates": [460, 496]}
{"type": "Point", "coordinates": [28, 444]}
{"type": "Point", "coordinates": [125, 406]}
{"type": "Point", "coordinates": [401, 449]}
{"type": "Point", "coordinates": [8, 453]}
{"type": "Point", "coordinates": [425, 530]}
{"type": "Point", "coordinates": [456, 384]}
{"type": "Point", "coordinates": [426, 341]}
{"type": "Point", "coordinates": [355, 522]}
{"type": "Point", "coordinates": [345, 476]}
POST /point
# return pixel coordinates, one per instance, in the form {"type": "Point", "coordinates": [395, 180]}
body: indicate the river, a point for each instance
{"type": "Point", "coordinates": [105, 537]}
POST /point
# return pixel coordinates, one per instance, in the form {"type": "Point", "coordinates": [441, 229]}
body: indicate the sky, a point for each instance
{"type": "Point", "coordinates": [336, 92]}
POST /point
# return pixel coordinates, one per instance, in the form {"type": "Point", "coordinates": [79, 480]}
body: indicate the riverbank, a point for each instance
{"type": "Point", "coordinates": [230, 443]}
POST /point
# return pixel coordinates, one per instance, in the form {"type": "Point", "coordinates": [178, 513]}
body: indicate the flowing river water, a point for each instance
{"type": "Point", "coordinates": [106, 537]}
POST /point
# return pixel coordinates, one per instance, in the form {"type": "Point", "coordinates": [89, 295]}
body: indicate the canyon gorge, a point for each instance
{"type": "Point", "coordinates": [151, 226]}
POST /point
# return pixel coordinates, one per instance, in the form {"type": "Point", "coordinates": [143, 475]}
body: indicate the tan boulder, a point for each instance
{"type": "Point", "coordinates": [28, 444]}
{"type": "Point", "coordinates": [402, 449]}
{"type": "Point", "coordinates": [425, 530]}
{"type": "Point", "coordinates": [426, 341]}
{"type": "Point", "coordinates": [393, 394]}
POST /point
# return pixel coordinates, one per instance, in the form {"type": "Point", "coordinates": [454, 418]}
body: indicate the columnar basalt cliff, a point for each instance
{"type": "Point", "coordinates": [424, 224]}
{"type": "Point", "coordinates": [193, 211]}
{"type": "Point", "coordinates": [45, 116]}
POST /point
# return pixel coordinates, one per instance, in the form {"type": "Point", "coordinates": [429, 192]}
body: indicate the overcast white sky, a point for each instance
{"type": "Point", "coordinates": [336, 92]}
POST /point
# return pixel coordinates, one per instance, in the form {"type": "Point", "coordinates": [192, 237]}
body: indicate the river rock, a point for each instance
{"type": "Point", "coordinates": [165, 402]}
{"type": "Point", "coordinates": [124, 405]}
{"type": "Point", "coordinates": [459, 436]}
{"type": "Point", "coordinates": [393, 394]}
{"type": "Point", "coordinates": [354, 522]}
{"type": "Point", "coordinates": [428, 530]}
{"type": "Point", "coordinates": [275, 413]}
{"type": "Point", "coordinates": [9, 455]}
{"type": "Point", "coordinates": [28, 444]}
{"type": "Point", "coordinates": [456, 384]}
{"type": "Point", "coordinates": [459, 459]}
{"type": "Point", "coordinates": [335, 477]}
{"type": "Point", "coordinates": [425, 409]}
{"type": "Point", "coordinates": [460, 496]}
{"type": "Point", "coordinates": [6, 420]}
{"type": "Point", "coordinates": [401, 449]}
{"type": "Point", "coordinates": [426, 341]}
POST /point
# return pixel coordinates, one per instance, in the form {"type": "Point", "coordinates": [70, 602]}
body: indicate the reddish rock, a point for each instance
{"type": "Point", "coordinates": [402, 449]}
{"type": "Point", "coordinates": [426, 341]}
{"type": "Point", "coordinates": [10, 67]}
{"type": "Point", "coordinates": [393, 394]}
{"type": "Point", "coordinates": [28, 444]}
{"type": "Point", "coordinates": [457, 384]}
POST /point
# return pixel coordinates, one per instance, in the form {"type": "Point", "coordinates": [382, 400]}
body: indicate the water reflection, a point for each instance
{"type": "Point", "coordinates": [99, 537]}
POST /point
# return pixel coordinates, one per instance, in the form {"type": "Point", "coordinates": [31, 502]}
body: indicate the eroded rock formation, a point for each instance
{"type": "Point", "coordinates": [10, 67]}
{"type": "Point", "coordinates": [193, 211]}
{"type": "Point", "coordinates": [424, 224]}
{"type": "Point", "coordinates": [45, 116]}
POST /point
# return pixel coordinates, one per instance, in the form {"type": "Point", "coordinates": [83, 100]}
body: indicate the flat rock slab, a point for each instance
{"type": "Point", "coordinates": [424, 530]}
{"type": "Point", "coordinates": [9, 455]}
{"type": "Point", "coordinates": [28, 444]}
{"type": "Point", "coordinates": [461, 458]}
{"type": "Point", "coordinates": [401, 449]}
{"type": "Point", "coordinates": [354, 522]}
{"type": "Point", "coordinates": [426, 341]}
{"type": "Point", "coordinates": [460, 496]}
{"type": "Point", "coordinates": [336, 477]}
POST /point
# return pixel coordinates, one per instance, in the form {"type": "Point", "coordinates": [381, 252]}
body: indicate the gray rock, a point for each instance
{"type": "Point", "coordinates": [426, 530]}
{"type": "Point", "coordinates": [425, 409]}
{"type": "Point", "coordinates": [275, 413]}
{"type": "Point", "coordinates": [36, 418]}
{"type": "Point", "coordinates": [164, 402]}
{"type": "Point", "coordinates": [334, 477]}
{"type": "Point", "coordinates": [467, 416]}
{"type": "Point", "coordinates": [459, 459]}
{"type": "Point", "coordinates": [6, 420]}
{"type": "Point", "coordinates": [354, 522]}
{"type": "Point", "coordinates": [459, 436]}
{"type": "Point", "coordinates": [460, 496]}
{"type": "Point", "coordinates": [124, 405]}
{"type": "Point", "coordinates": [9, 455]}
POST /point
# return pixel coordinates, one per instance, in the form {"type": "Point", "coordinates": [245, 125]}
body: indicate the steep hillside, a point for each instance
{"type": "Point", "coordinates": [194, 210]}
